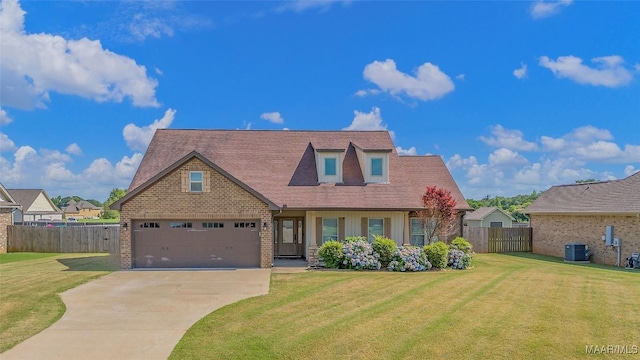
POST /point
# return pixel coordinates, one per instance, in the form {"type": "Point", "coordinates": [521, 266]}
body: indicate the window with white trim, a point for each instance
{"type": "Point", "coordinates": [376, 228]}
{"type": "Point", "coordinates": [329, 229]}
{"type": "Point", "coordinates": [417, 232]}
{"type": "Point", "coordinates": [195, 181]}
{"type": "Point", "coordinates": [496, 224]}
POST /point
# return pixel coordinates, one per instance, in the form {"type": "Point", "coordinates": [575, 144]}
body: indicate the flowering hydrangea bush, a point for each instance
{"type": "Point", "coordinates": [409, 258]}
{"type": "Point", "coordinates": [359, 255]}
{"type": "Point", "coordinates": [458, 259]}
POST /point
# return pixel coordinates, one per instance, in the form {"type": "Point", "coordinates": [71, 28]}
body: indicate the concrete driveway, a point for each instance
{"type": "Point", "coordinates": [137, 314]}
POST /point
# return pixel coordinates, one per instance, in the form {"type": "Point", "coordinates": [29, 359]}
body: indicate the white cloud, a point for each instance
{"type": "Point", "coordinates": [429, 83]}
{"type": "Point", "coordinates": [273, 117]}
{"type": "Point", "coordinates": [608, 71]}
{"type": "Point", "coordinates": [521, 73]}
{"type": "Point", "coordinates": [6, 144]}
{"type": "Point", "coordinates": [460, 77]}
{"type": "Point", "coordinates": [588, 143]}
{"type": "Point", "coordinates": [546, 8]}
{"type": "Point", "coordinates": [47, 169]}
{"type": "Point", "coordinates": [32, 65]}
{"type": "Point", "coordinates": [138, 138]}
{"type": "Point", "coordinates": [630, 170]}
{"type": "Point", "coordinates": [73, 149]}
{"type": "Point", "coordinates": [304, 5]}
{"type": "Point", "coordinates": [510, 139]}
{"type": "Point", "coordinates": [410, 151]}
{"type": "Point", "coordinates": [505, 157]}
{"type": "Point", "coordinates": [578, 154]}
{"type": "Point", "coordinates": [142, 27]}
{"type": "Point", "coordinates": [4, 118]}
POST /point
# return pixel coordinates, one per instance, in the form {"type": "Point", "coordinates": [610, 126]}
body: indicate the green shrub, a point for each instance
{"type": "Point", "coordinates": [352, 239]}
{"type": "Point", "coordinates": [331, 253]}
{"type": "Point", "coordinates": [437, 254]}
{"type": "Point", "coordinates": [385, 248]}
{"type": "Point", "coordinates": [460, 243]}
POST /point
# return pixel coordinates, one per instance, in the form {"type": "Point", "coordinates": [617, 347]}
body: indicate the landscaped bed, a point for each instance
{"type": "Point", "coordinates": [509, 307]}
{"type": "Point", "coordinates": [29, 288]}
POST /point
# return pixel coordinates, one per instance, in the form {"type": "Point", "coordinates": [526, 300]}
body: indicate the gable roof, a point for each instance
{"type": "Point", "coordinates": [26, 198]}
{"type": "Point", "coordinates": [76, 206]}
{"type": "Point", "coordinates": [612, 197]}
{"type": "Point", "coordinates": [6, 200]}
{"type": "Point", "coordinates": [481, 213]}
{"type": "Point", "coordinates": [132, 192]}
{"type": "Point", "coordinates": [280, 167]}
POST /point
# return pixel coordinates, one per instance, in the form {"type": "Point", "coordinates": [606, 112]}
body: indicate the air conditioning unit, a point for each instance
{"type": "Point", "coordinates": [575, 252]}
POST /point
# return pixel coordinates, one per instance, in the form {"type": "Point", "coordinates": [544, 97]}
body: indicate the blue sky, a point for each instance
{"type": "Point", "coordinates": [515, 96]}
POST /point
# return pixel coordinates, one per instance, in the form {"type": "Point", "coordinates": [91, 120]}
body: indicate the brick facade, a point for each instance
{"type": "Point", "coordinates": [552, 232]}
{"type": "Point", "coordinates": [5, 220]}
{"type": "Point", "coordinates": [165, 200]}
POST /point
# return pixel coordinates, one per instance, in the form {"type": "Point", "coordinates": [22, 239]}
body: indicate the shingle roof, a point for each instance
{"type": "Point", "coordinates": [26, 197]}
{"type": "Point", "coordinates": [616, 196]}
{"type": "Point", "coordinates": [280, 165]}
{"type": "Point", "coordinates": [74, 206]}
{"type": "Point", "coordinates": [481, 213]}
{"type": "Point", "coordinates": [6, 200]}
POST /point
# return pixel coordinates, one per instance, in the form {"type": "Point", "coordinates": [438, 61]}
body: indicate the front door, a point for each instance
{"type": "Point", "coordinates": [290, 237]}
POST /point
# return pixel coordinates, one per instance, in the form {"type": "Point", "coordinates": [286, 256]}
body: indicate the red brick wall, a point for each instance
{"type": "Point", "coordinates": [552, 232]}
{"type": "Point", "coordinates": [165, 200]}
{"type": "Point", "coordinates": [5, 220]}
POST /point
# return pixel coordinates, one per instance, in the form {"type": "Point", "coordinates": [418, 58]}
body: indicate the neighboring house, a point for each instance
{"type": "Point", "coordinates": [219, 198]}
{"type": "Point", "coordinates": [8, 208]}
{"type": "Point", "coordinates": [580, 212]}
{"type": "Point", "coordinates": [81, 210]}
{"type": "Point", "coordinates": [35, 206]}
{"type": "Point", "coordinates": [488, 217]}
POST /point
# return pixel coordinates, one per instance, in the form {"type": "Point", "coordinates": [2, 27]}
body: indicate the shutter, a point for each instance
{"type": "Point", "coordinates": [341, 229]}
{"type": "Point", "coordinates": [206, 181]}
{"type": "Point", "coordinates": [387, 228]}
{"type": "Point", "coordinates": [364, 227]}
{"type": "Point", "coordinates": [184, 175]}
{"type": "Point", "coordinates": [319, 231]}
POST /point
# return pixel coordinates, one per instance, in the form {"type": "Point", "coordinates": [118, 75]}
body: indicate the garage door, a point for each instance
{"type": "Point", "coordinates": [196, 243]}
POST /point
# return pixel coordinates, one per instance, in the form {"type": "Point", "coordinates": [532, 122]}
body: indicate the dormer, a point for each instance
{"type": "Point", "coordinates": [374, 164]}
{"type": "Point", "coordinates": [329, 165]}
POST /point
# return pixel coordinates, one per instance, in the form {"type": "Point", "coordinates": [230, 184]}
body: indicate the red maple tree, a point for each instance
{"type": "Point", "coordinates": [439, 215]}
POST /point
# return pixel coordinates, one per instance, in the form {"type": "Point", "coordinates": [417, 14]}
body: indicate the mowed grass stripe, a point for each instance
{"type": "Point", "coordinates": [505, 307]}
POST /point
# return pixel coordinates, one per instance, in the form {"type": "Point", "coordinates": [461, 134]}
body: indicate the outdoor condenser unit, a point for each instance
{"type": "Point", "coordinates": [575, 252]}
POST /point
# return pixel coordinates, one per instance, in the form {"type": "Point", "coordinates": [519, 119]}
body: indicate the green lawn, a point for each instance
{"type": "Point", "coordinates": [506, 307]}
{"type": "Point", "coordinates": [29, 288]}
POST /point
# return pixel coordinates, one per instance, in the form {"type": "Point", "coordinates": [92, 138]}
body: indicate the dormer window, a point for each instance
{"type": "Point", "coordinates": [329, 165]}
{"type": "Point", "coordinates": [376, 166]}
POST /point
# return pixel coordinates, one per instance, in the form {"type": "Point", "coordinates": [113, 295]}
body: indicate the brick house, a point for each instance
{"type": "Point", "coordinates": [580, 212]}
{"type": "Point", "coordinates": [225, 198]}
{"type": "Point", "coordinates": [81, 210]}
{"type": "Point", "coordinates": [8, 208]}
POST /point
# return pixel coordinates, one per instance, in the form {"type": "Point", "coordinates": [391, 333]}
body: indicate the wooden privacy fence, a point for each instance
{"type": "Point", "coordinates": [499, 240]}
{"type": "Point", "coordinates": [76, 239]}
